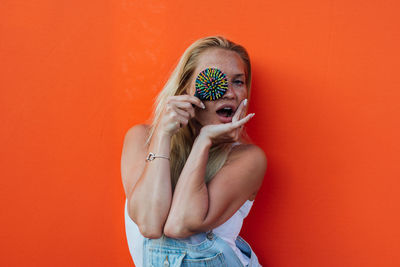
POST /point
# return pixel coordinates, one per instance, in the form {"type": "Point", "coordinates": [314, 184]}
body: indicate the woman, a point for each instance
{"type": "Point", "coordinates": [189, 177]}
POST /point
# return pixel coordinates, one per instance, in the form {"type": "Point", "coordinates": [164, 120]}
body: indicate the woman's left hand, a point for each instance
{"type": "Point", "coordinates": [226, 132]}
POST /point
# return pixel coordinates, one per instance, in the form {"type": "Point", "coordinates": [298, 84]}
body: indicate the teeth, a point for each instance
{"type": "Point", "coordinates": [226, 111]}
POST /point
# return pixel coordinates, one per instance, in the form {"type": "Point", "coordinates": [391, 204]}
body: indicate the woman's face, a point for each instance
{"type": "Point", "coordinates": [230, 63]}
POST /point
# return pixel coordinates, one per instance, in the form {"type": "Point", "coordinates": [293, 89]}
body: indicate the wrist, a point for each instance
{"type": "Point", "coordinates": [204, 140]}
{"type": "Point", "coordinates": [160, 134]}
{"type": "Point", "coordinates": [160, 143]}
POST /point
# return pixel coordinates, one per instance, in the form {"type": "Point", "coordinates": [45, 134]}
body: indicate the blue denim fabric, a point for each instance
{"type": "Point", "coordinates": [212, 252]}
{"type": "Point", "coordinates": [246, 249]}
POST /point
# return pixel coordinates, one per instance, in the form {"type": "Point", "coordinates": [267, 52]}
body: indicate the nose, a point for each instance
{"type": "Point", "coordinates": [230, 93]}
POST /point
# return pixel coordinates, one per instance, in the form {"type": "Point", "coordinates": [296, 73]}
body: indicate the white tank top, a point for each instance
{"type": "Point", "coordinates": [227, 231]}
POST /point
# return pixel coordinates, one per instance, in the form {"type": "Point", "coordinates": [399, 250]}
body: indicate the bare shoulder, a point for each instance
{"type": "Point", "coordinates": [244, 173]}
{"type": "Point", "coordinates": [135, 139]}
{"type": "Point", "coordinates": [249, 152]}
{"type": "Point", "coordinates": [138, 130]}
{"type": "Point", "coordinates": [133, 154]}
{"type": "Point", "coordinates": [253, 158]}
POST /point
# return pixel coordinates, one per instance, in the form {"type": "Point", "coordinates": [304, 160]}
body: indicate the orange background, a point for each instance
{"type": "Point", "coordinates": [76, 75]}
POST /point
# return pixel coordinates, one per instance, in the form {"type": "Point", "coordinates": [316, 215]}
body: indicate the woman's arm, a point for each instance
{"type": "Point", "coordinates": [190, 200]}
{"type": "Point", "coordinates": [199, 207]}
{"type": "Point", "coordinates": [148, 184]}
{"type": "Point", "coordinates": [149, 190]}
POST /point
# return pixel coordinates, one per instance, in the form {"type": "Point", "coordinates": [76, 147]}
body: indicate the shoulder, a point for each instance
{"type": "Point", "coordinates": [135, 137]}
{"type": "Point", "coordinates": [135, 141]}
{"type": "Point", "coordinates": [244, 172]}
{"type": "Point", "coordinates": [245, 166]}
{"type": "Point", "coordinates": [250, 153]}
{"type": "Point", "coordinates": [138, 131]}
{"type": "Point", "coordinates": [251, 161]}
{"type": "Point", "coordinates": [133, 153]}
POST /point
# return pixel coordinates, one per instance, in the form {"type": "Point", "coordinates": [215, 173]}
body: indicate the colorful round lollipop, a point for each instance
{"type": "Point", "coordinates": [211, 84]}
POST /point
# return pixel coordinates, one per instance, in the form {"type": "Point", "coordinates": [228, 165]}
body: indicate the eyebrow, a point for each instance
{"type": "Point", "coordinates": [238, 75]}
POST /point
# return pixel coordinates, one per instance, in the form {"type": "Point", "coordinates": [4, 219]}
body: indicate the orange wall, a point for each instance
{"type": "Point", "coordinates": [75, 75]}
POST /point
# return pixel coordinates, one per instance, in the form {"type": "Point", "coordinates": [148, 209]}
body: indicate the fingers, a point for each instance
{"type": "Point", "coordinates": [239, 111]}
{"type": "Point", "coordinates": [229, 127]}
{"type": "Point", "coordinates": [225, 132]}
{"type": "Point", "coordinates": [186, 107]}
{"type": "Point", "coordinates": [183, 115]}
{"type": "Point", "coordinates": [177, 112]}
{"type": "Point", "coordinates": [182, 122]}
{"type": "Point", "coordinates": [174, 118]}
{"type": "Point", "coordinates": [186, 103]}
{"type": "Point", "coordinates": [243, 121]}
{"type": "Point", "coordinates": [187, 98]}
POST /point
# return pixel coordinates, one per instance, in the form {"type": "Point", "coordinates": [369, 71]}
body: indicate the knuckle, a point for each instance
{"type": "Point", "coordinates": [174, 116]}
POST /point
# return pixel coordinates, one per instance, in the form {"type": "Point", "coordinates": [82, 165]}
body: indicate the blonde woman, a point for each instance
{"type": "Point", "coordinates": [191, 177]}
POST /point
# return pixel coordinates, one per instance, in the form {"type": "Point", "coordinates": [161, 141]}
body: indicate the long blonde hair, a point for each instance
{"type": "Point", "coordinates": [178, 84]}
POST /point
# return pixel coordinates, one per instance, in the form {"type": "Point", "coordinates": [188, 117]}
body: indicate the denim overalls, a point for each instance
{"type": "Point", "coordinates": [212, 252]}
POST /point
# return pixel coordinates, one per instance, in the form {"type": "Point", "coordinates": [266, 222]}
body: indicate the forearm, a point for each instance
{"type": "Point", "coordinates": [190, 200]}
{"type": "Point", "coordinates": [150, 199]}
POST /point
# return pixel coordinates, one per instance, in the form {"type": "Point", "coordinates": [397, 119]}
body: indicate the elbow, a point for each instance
{"type": "Point", "coordinates": [173, 233]}
{"type": "Point", "coordinates": [148, 226]}
{"type": "Point", "coordinates": [170, 232]}
{"type": "Point", "coordinates": [177, 231]}
{"type": "Point", "coordinates": [150, 232]}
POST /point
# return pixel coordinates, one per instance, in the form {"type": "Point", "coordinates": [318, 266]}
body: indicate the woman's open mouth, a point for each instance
{"type": "Point", "coordinates": [225, 114]}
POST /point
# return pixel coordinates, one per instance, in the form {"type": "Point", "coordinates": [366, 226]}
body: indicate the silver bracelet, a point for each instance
{"type": "Point", "coordinates": [152, 156]}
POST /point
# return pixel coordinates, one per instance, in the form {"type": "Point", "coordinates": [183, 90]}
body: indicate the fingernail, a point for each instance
{"type": "Point", "coordinates": [245, 102]}
{"type": "Point", "coordinates": [252, 114]}
{"type": "Point", "coordinates": [202, 105]}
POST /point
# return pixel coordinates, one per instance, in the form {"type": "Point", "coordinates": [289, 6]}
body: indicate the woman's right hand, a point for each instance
{"type": "Point", "coordinates": [177, 113]}
{"type": "Point", "coordinates": [226, 132]}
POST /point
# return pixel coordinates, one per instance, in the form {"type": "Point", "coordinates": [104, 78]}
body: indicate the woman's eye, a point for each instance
{"type": "Point", "coordinates": [238, 82]}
